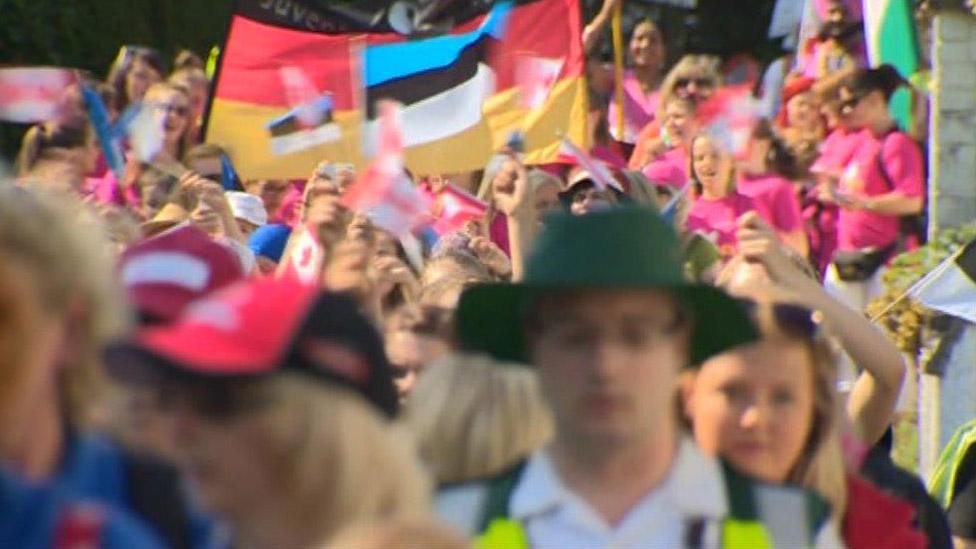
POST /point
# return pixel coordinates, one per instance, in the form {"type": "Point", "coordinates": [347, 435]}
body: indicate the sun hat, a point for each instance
{"type": "Point", "coordinates": [622, 248]}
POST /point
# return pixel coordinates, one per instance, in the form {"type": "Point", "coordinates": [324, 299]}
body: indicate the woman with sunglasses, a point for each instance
{"type": "Point", "coordinates": [694, 78]}
{"type": "Point", "coordinates": [170, 105]}
{"type": "Point", "coordinates": [770, 408]}
{"type": "Point", "coordinates": [880, 184]}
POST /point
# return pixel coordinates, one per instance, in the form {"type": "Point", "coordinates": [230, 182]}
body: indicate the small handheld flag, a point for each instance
{"type": "Point", "coordinates": [109, 142]}
{"type": "Point", "coordinates": [32, 94]}
{"type": "Point", "coordinates": [951, 286]}
{"type": "Point", "coordinates": [598, 170]}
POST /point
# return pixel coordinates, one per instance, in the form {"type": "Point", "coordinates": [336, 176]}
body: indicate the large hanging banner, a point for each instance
{"type": "Point", "coordinates": [300, 85]}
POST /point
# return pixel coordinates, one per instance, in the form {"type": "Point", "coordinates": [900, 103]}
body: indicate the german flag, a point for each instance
{"type": "Point", "coordinates": [458, 89]}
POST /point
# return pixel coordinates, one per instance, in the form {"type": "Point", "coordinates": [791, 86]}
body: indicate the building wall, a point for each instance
{"type": "Point", "coordinates": [946, 403]}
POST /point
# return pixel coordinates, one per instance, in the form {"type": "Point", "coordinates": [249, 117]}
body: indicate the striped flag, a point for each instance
{"type": "Point", "coordinates": [465, 74]}
{"type": "Point", "coordinates": [951, 286]}
{"type": "Point", "coordinates": [889, 29]}
{"type": "Point", "coordinates": [32, 94]}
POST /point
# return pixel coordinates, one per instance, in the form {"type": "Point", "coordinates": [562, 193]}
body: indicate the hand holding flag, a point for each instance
{"type": "Point", "coordinates": [384, 192]}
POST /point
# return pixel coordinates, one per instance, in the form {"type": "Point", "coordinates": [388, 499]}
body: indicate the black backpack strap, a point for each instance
{"type": "Point", "coordinates": [156, 494]}
{"type": "Point", "coordinates": [500, 490]}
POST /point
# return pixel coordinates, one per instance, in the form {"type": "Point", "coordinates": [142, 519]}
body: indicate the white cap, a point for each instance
{"type": "Point", "coordinates": [247, 207]}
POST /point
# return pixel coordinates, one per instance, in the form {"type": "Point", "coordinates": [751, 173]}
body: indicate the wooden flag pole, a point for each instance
{"type": "Point", "coordinates": [618, 66]}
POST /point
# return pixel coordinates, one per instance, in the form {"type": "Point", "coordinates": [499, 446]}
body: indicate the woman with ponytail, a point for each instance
{"type": "Point", "coordinates": [58, 153]}
{"type": "Point", "coordinates": [880, 184]}
{"type": "Point", "coordinates": [768, 177]}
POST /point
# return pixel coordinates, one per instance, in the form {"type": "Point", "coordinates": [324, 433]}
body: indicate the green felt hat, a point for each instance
{"type": "Point", "coordinates": [622, 248]}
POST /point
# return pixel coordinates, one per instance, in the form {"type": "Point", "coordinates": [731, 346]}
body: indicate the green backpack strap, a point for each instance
{"type": "Point", "coordinates": [496, 530]}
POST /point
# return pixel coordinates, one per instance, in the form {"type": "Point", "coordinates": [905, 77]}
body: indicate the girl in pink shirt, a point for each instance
{"type": "Point", "coordinates": [717, 206]}
{"type": "Point", "coordinates": [767, 177]}
{"type": "Point", "coordinates": [669, 154]}
{"type": "Point", "coordinates": [640, 83]}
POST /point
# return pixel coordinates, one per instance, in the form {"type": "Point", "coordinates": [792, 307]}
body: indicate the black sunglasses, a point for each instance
{"type": "Point", "coordinates": [795, 320]}
{"type": "Point", "coordinates": [700, 82]}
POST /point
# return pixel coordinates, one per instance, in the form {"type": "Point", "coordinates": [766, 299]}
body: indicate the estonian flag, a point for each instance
{"type": "Point", "coordinates": [440, 82]}
{"type": "Point", "coordinates": [951, 286]}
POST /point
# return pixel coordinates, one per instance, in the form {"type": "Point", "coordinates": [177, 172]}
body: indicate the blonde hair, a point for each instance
{"type": "Point", "coordinates": [401, 534]}
{"type": "Point", "coordinates": [707, 66]}
{"type": "Point", "coordinates": [474, 417]}
{"type": "Point", "coordinates": [63, 248]}
{"type": "Point", "coordinates": [821, 465]}
{"type": "Point", "coordinates": [339, 462]}
{"type": "Point", "coordinates": [186, 140]}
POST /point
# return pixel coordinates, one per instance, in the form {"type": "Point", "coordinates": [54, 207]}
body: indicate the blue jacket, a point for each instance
{"type": "Point", "coordinates": [31, 516]}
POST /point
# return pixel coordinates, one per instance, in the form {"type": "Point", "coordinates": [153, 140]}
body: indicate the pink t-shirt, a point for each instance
{"type": "Point", "coordinates": [717, 220]}
{"type": "Point", "coordinates": [670, 169]}
{"type": "Point", "coordinates": [836, 150]}
{"type": "Point", "coordinates": [639, 109]}
{"type": "Point", "coordinates": [775, 199]}
{"type": "Point", "coordinates": [862, 177]}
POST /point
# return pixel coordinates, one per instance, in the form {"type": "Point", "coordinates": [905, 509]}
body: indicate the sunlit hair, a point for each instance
{"type": "Point", "coordinates": [821, 464]}
{"type": "Point", "coordinates": [337, 460]}
{"type": "Point", "coordinates": [401, 534]}
{"type": "Point", "coordinates": [160, 88]}
{"type": "Point", "coordinates": [696, 184]}
{"type": "Point", "coordinates": [691, 65]}
{"type": "Point", "coordinates": [60, 245]}
{"type": "Point", "coordinates": [474, 417]}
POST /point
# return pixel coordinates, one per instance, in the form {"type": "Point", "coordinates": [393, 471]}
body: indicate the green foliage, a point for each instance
{"type": "Point", "coordinates": [87, 34]}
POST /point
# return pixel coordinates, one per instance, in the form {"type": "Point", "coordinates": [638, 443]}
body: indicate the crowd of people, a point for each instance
{"type": "Point", "coordinates": [676, 359]}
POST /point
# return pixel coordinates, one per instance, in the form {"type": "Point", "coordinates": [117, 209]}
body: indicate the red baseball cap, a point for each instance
{"type": "Point", "coordinates": [257, 328]}
{"type": "Point", "coordinates": [163, 274]}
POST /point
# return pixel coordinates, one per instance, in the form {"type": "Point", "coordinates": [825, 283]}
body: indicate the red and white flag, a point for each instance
{"type": "Point", "coordinates": [729, 117]}
{"type": "Point", "coordinates": [383, 191]}
{"type": "Point", "coordinates": [453, 208]}
{"type": "Point", "coordinates": [598, 170]}
{"type": "Point", "coordinates": [535, 77]}
{"type": "Point", "coordinates": [304, 262]}
{"type": "Point", "coordinates": [32, 94]}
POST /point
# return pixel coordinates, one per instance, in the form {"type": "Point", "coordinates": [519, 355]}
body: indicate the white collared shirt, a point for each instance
{"type": "Point", "coordinates": [554, 517]}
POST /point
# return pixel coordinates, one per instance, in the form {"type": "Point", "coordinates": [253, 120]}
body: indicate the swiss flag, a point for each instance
{"type": "Point", "coordinates": [453, 208]}
{"type": "Point", "coordinates": [535, 77]}
{"type": "Point", "coordinates": [384, 192]}
{"type": "Point", "coordinates": [304, 262]}
{"type": "Point", "coordinates": [32, 94]}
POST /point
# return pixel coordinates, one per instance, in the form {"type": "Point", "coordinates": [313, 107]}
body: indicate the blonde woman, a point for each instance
{"type": "Point", "coordinates": [59, 260]}
{"type": "Point", "coordinates": [281, 395]}
{"type": "Point", "coordinates": [474, 417]}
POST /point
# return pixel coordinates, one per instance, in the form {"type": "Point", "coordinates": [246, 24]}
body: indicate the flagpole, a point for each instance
{"type": "Point", "coordinates": [920, 284]}
{"type": "Point", "coordinates": [618, 66]}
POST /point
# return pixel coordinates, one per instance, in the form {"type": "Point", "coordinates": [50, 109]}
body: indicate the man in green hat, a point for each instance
{"type": "Point", "coordinates": [609, 322]}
